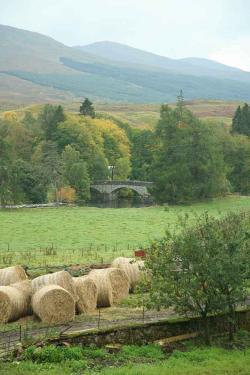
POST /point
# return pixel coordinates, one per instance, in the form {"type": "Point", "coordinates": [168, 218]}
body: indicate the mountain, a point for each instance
{"type": "Point", "coordinates": [35, 68]}
{"type": "Point", "coordinates": [191, 65]}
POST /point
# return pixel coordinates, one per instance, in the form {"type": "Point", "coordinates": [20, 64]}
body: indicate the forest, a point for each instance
{"type": "Point", "coordinates": [49, 154]}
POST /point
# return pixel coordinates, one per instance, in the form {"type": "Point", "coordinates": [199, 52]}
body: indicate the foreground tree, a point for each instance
{"type": "Point", "coordinates": [203, 269]}
{"type": "Point", "coordinates": [87, 108]}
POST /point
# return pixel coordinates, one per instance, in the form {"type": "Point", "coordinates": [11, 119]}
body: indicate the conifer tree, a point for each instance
{"type": "Point", "coordinates": [87, 108]}
{"type": "Point", "coordinates": [241, 120]}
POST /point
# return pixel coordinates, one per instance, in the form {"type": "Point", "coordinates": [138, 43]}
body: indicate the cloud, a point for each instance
{"type": "Point", "coordinates": [236, 54]}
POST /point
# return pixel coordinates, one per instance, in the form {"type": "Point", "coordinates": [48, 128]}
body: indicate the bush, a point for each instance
{"type": "Point", "coordinates": [52, 354]}
{"type": "Point", "coordinates": [94, 352]}
{"type": "Point", "coordinates": [145, 351]}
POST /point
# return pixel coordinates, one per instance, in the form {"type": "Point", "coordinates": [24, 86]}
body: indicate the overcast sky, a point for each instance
{"type": "Point", "coordinates": [217, 29]}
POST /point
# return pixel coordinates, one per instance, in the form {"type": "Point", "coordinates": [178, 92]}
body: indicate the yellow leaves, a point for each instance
{"type": "Point", "coordinates": [94, 131]}
{"type": "Point", "coordinates": [10, 116]}
{"type": "Point", "coordinates": [66, 194]}
{"type": "Point", "coordinates": [119, 135]}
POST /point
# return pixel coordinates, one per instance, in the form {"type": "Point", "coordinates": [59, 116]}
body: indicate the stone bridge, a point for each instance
{"type": "Point", "coordinates": [109, 187]}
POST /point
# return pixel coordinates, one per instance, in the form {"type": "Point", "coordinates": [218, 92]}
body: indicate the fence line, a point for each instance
{"type": "Point", "coordinates": [11, 339]}
{"type": "Point", "coordinates": [54, 257]}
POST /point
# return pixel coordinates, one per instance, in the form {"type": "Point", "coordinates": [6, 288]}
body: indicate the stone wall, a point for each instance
{"type": "Point", "coordinates": [148, 332]}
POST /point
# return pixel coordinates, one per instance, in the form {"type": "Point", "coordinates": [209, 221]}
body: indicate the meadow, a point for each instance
{"type": "Point", "coordinates": [147, 116]}
{"type": "Point", "coordinates": [54, 236]}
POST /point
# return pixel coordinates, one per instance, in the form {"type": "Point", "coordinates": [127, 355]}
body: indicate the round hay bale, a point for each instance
{"type": "Point", "coordinates": [15, 301]}
{"type": "Point", "coordinates": [53, 305]}
{"type": "Point", "coordinates": [104, 289]}
{"type": "Point", "coordinates": [131, 268]}
{"type": "Point", "coordinates": [119, 283]}
{"type": "Point", "coordinates": [61, 278]}
{"type": "Point", "coordinates": [11, 275]}
{"type": "Point", "coordinates": [86, 291]}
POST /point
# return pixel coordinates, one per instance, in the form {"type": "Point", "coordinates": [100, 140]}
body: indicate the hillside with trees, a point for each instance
{"type": "Point", "coordinates": [51, 154]}
{"type": "Point", "coordinates": [35, 68]}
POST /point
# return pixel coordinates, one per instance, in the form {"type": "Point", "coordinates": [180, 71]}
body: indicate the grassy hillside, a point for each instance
{"type": "Point", "coordinates": [137, 115]}
{"type": "Point", "coordinates": [147, 115]}
{"type": "Point", "coordinates": [46, 70]}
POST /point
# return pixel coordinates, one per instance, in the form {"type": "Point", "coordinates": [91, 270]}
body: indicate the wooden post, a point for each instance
{"type": "Point", "coordinates": [99, 318]}
{"type": "Point", "coordinates": [143, 311]}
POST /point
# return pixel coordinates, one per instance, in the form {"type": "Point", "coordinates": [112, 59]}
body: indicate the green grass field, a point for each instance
{"type": "Point", "coordinates": [131, 360]}
{"type": "Point", "coordinates": [210, 361]}
{"type": "Point", "coordinates": [87, 234]}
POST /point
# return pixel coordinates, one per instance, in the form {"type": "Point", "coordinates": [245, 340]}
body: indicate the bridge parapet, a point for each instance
{"type": "Point", "coordinates": [123, 182]}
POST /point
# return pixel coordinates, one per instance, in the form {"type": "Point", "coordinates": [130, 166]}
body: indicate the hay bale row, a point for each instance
{"type": "Point", "coordinates": [86, 291]}
{"type": "Point", "coordinates": [55, 297]}
{"type": "Point", "coordinates": [11, 275]}
{"type": "Point", "coordinates": [15, 301]}
{"type": "Point", "coordinates": [53, 304]}
{"type": "Point", "coordinates": [61, 278]}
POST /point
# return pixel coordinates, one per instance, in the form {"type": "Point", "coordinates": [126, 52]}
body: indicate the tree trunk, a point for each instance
{"type": "Point", "coordinates": [232, 327]}
{"type": "Point", "coordinates": [206, 330]}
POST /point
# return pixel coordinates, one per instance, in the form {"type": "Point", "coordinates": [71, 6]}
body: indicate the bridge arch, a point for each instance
{"type": "Point", "coordinates": [137, 189]}
{"type": "Point", "coordinates": [110, 187]}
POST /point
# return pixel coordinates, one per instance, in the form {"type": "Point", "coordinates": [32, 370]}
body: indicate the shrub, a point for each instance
{"type": "Point", "coordinates": [52, 354]}
{"type": "Point", "coordinates": [145, 351]}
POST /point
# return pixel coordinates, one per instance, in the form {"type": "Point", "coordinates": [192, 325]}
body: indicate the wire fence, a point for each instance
{"type": "Point", "coordinates": [12, 340]}
{"type": "Point", "coordinates": [55, 258]}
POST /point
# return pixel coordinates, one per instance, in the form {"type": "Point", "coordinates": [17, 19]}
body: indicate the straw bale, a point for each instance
{"type": "Point", "coordinates": [15, 301]}
{"type": "Point", "coordinates": [11, 275]}
{"type": "Point", "coordinates": [132, 269]}
{"type": "Point", "coordinates": [61, 278]}
{"type": "Point", "coordinates": [53, 304]}
{"type": "Point", "coordinates": [104, 288]}
{"type": "Point", "coordinates": [86, 291]}
{"type": "Point", "coordinates": [119, 283]}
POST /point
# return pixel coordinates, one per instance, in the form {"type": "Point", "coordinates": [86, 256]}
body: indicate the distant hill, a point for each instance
{"type": "Point", "coordinates": [36, 68]}
{"type": "Point", "coordinates": [191, 65]}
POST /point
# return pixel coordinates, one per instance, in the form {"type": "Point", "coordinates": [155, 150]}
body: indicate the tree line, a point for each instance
{"type": "Point", "coordinates": [48, 154]}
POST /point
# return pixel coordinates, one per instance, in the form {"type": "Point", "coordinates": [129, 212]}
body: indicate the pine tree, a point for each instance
{"type": "Point", "coordinates": [236, 121]}
{"type": "Point", "coordinates": [87, 108]}
{"type": "Point", "coordinates": [180, 104]}
{"type": "Point", "coordinates": [49, 118]}
{"type": "Point", "coordinates": [241, 120]}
